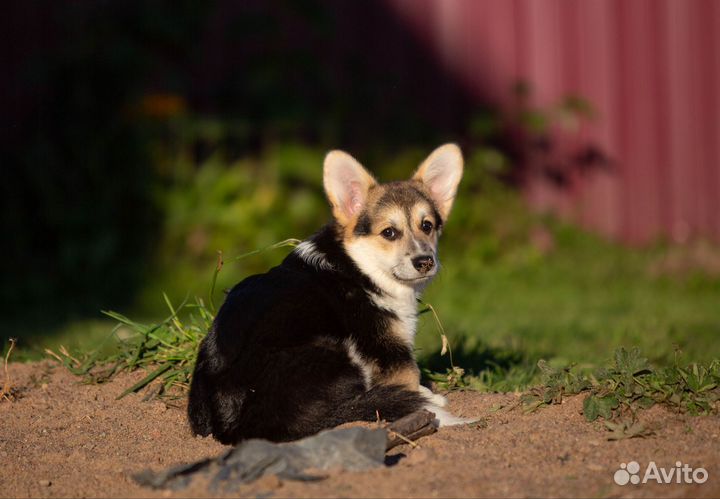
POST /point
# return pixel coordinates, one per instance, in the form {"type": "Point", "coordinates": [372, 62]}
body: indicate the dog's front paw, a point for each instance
{"type": "Point", "coordinates": [434, 398]}
{"type": "Point", "coordinates": [435, 404]}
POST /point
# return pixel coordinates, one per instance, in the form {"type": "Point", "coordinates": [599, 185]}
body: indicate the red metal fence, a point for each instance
{"type": "Point", "coordinates": [651, 69]}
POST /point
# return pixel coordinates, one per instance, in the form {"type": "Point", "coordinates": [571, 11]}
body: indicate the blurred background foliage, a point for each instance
{"type": "Point", "coordinates": [144, 137]}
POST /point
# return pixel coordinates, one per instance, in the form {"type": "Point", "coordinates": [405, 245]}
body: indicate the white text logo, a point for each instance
{"type": "Point", "coordinates": [680, 473]}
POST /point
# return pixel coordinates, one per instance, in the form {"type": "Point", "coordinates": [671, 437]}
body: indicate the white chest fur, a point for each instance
{"type": "Point", "coordinates": [394, 296]}
{"type": "Point", "coordinates": [405, 308]}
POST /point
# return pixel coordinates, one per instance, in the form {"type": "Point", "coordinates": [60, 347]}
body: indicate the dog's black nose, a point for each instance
{"type": "Point", "coordinates": [423, 263]}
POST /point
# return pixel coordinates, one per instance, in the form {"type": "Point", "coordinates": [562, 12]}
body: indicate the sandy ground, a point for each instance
{"type": "Point", "coordinates": [61, 438]}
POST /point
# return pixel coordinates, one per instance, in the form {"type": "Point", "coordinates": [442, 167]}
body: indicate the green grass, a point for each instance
{"type": "Point", "coordinates": [515, 287]}
{"type": "Point", "coordinates": [577, 304]}
{"type": "Point", "coordinates": [614, 393]}
{"type": "Point", "coordinates": [580, 305]}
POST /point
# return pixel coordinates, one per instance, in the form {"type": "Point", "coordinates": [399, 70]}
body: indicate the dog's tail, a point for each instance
{"type": "Point", "coordinates": [388, 402]}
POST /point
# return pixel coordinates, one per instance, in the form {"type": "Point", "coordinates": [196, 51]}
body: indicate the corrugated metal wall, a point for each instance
{"type": "Point", "coordinates": [651, 68]}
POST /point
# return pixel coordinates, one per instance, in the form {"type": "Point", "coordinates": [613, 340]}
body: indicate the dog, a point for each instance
{"type": "Point", "coordinates": [327, 336]}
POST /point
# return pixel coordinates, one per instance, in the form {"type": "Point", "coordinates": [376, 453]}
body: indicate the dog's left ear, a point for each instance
{"type": "Point", "coordinates": [440, 173]}
{"type": "Point", "coordinates": [347, 185]}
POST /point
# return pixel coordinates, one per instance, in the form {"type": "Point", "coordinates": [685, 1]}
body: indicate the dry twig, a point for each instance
{"type": "Point", "coordinates": [7, 392]}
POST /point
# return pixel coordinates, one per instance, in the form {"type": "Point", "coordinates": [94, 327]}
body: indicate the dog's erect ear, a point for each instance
{"type": "Point", "coordinates": [440, 173]}
{"type": "Point", "coordinates": [346, 184]}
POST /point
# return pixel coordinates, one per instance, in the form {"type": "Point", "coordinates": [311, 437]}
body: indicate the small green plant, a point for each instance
{"type": "Point", "coordinates": [630, 384]}
{"type": "Point", "coordinates": [556, 384]}
{"type": "Point", "coordinates": [454, 376]}
{"type": "Point", "coordinates": [166, 349]}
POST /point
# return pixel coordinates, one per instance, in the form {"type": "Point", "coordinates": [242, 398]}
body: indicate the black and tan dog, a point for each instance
{"type": "Point", "coordinates": [327, 336]}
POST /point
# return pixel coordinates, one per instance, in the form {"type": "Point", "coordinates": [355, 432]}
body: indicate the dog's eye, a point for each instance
{"type": "Point", "coordinates": [426, 226]}
{"type": "Point", "coordinates": [390, 234]}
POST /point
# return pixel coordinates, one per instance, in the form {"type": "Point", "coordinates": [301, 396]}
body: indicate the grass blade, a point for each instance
{"type": "Point", "coordinates": [146, 380]}
{"type": "Point", "coordinates": [287, 242]}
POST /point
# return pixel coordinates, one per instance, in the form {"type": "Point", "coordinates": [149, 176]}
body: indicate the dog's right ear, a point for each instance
{"type": "Point", "coordinates": [346, 184]}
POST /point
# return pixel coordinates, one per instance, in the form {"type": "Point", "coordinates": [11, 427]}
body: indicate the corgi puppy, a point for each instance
{"type": "Point", "coordinates": [327, 336]}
